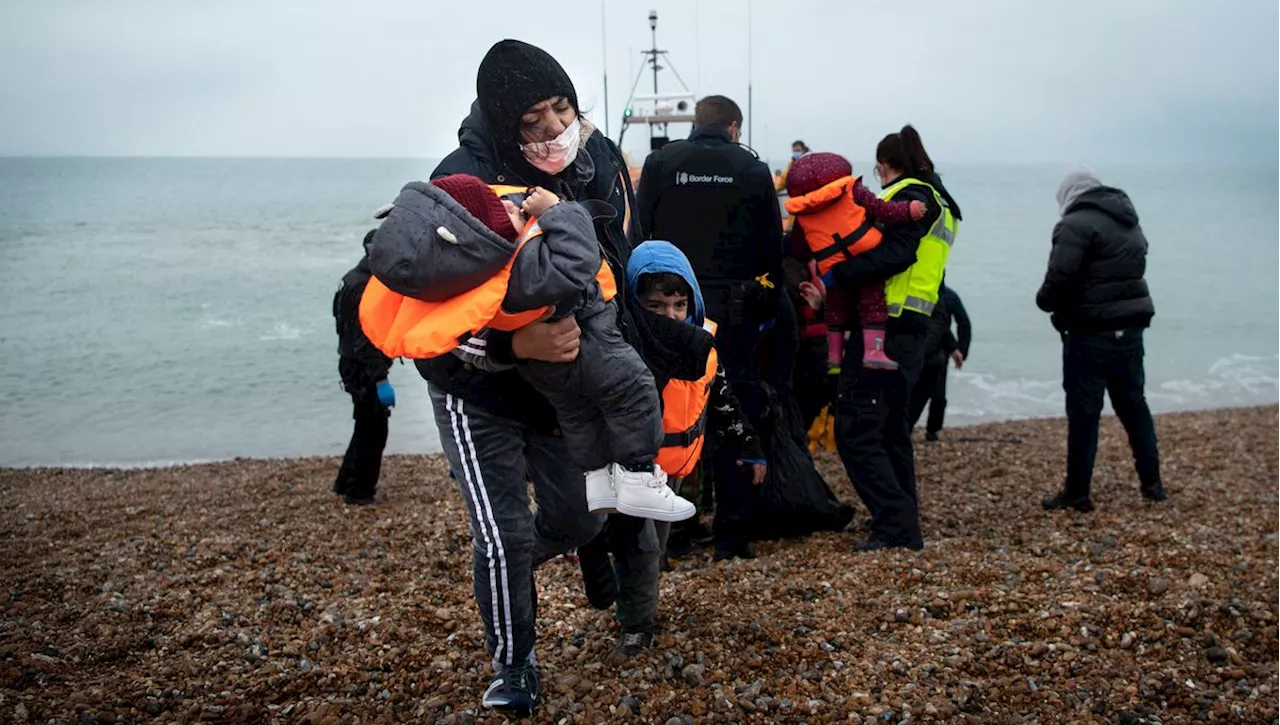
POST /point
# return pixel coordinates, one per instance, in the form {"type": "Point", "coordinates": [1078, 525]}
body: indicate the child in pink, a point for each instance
{"type": "Point", "coordinates": [823, 184]}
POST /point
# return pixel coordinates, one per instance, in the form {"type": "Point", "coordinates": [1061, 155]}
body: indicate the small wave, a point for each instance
{"type": "Point", "coordinates": [282, 331]}
{"type": "Point", "coordinates": [1234, 376]}
{"type": "Point", "coordinates": [219, 323]}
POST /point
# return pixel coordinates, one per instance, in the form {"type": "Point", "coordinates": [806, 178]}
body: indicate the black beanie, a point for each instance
{"type": "Point", "coordinates": [513, 76]}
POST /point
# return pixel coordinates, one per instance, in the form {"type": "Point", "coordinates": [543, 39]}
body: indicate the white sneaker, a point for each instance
{"type": "Point", "coordinates": [600, 493]}
{"type": "Point", "coordinates": [647, 495]}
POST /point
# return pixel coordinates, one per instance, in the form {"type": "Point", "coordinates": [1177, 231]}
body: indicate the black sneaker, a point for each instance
{"type": "Point", "coordinates": [359, 499]}
{"type": "Point", "coordinates": [1062, 501]}
{"type": "Point", "coordinates": [514, 689]}
{"type": "Point", "coordinates": [597, 575]}
{"type": "Point", "coordinates": [931, 436]}
{"type": "Point", "coordinates": [1155, 493]}
{"type": "Point", "coordinates": [339, 486]}
{"type": "Point", "coordinates": [631, 644]}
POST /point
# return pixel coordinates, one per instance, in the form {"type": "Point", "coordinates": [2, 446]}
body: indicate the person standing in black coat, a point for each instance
{"type": "Point", "coordinates": [942, 347]}
{"type": "Point", "coordinates": [363, 369]}
{"type": "Point", "coordinates": [1099, 302]}
{"type": "Point", "coordinates": [714, 199]}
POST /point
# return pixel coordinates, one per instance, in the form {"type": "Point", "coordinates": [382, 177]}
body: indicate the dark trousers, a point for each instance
{"type": "Point", "coordinates": [873, 432]}
{"type": "Point", "coordinates": [931, 388]}
{"type": "Point", "coordinates": [493, 459]}
{"type": "Point", "coordinates": [814, 387]}
{"type": "Point", "coordinates": [362, 465]}
{"type": "Point", "coordinates": [733, 515]}
{"type": "Point", "coordinates": [1111, 363]}
{"type": "Point", "coordinates": [636, 546]}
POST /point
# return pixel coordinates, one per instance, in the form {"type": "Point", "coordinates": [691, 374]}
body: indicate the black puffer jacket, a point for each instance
{"type": "Point", "coordinates": [598, 174]}
{"type": "Point", "coordinates": [1095, 279]}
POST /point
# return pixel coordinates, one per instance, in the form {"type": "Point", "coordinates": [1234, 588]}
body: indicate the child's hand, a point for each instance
{"type": "Point", "coordinates": [759, 469]}
{"type": "Point", "coordinates": [811, 294]}
{"type": "Point", "coordinates": [918, 210]}
{"type": "Point", "coordinates": [539, 201]}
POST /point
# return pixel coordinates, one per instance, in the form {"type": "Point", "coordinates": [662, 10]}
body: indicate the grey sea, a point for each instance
{"type": "Point", "coordinates": [173, 310]}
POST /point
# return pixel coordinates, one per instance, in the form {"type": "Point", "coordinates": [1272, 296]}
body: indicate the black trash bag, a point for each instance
{"type": "Point", "coordinates": [794, 500]}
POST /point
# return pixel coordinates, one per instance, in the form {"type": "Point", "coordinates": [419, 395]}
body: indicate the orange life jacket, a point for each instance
{"type": "Point", "coordinates": [684, 417]}
{"type": "Point", "coordinates": [403, 326]}
{"type": "Point", "coordinates": [835, 226]}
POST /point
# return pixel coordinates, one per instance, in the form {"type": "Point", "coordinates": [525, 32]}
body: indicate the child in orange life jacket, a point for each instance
{"type": "Point", "coordinates": [836, 214]}
{"type": "Point", "coordinates": [663, 282]}
{"type": "Point", "coordinates": [678, 346]}
{"type": "Point", "coordinates": [606, 403]}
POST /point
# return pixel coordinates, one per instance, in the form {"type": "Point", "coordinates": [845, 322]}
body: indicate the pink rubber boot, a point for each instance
{"type": "Point", "coordinates": [835, 350]}
{"type": "Point", "coordinates": [873, 356]}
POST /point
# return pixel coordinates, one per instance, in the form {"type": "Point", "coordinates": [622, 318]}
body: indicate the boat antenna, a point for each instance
{"type": "Point", "coordinates": [604, 64]}
{"type": "Point", "coordinates": [750, 115]}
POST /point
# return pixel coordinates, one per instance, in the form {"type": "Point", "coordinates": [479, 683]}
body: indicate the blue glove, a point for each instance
{"type": "Point", "coordinates": [386, 394]}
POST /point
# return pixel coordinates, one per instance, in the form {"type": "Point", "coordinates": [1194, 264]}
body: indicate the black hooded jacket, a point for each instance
{"type": "Point", "coordinates": [598, 174]}
{"type": "Point", "coordinates": [1095, 278]}
{"type": "Point", "coordinates": [360, 364]}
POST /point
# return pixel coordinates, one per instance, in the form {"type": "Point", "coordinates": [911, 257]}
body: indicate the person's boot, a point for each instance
{"type": "Point", "coordinates": [646, 495]}
{"type": "Point", "coordinates": [513, 690]}
{"type": "Point", "coordinates": [597, 574]}
{"type": "Point", "coordinates": [835, 350]}
{"type": "Point", "coordinates": [698, 533]}
{"type": "Point", "coordinates": [1063, 500]}
{"type": "Point", "coordinates": [873, 355]}
{"type": "Point", "coordinates": [1154, 492]}
{"type": "Point", "coordinates": [731, 546]}
{"type": "Point", "coordinates": [725, 550]}
{"type": "Point", "coordinates": [601, 497]}
{"type": "Point", "coordinates": [632, 643]}
{"type": "Point", "coordinates": [931, 436]}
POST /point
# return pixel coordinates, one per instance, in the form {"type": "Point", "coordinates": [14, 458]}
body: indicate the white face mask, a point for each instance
{"type": "Point", "coordinates": [555, 155]}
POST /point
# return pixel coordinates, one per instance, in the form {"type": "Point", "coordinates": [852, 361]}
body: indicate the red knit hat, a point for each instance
{"type": "Point", "coordinates": [814, 171]}
{"type": "Point", "coordinates": [476, 197]}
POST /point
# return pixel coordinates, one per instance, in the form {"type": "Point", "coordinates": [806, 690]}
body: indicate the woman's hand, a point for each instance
{"type": "Point", "coordinates": [918, 210]}
{"type": "Point", "coordinates": [555, 342]}
{"type": "Point", "coordinates": [539, 201]}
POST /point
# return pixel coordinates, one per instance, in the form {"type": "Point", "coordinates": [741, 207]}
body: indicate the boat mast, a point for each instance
{"type": "Point", "coordinates": [657, 110]}
{"type": "Point", "coordinates": [653, 62]}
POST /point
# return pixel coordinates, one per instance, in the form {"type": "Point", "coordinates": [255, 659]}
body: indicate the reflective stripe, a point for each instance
{"type": "Point", "coordinates": [487, 525]}
{"type": "Point", "coordinates": [940, 230]}
{"type": "Point", "coordinates": [686, 438]}
{"type": "Point", "coordinates": [915, 304]}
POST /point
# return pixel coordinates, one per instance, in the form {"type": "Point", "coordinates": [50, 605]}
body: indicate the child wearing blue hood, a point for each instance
{"type": "Point", "coordinates": [696, 400]}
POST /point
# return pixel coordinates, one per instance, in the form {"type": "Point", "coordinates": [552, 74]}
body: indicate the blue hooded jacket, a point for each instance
{"type": "Point", "coordinates": [656, 257]}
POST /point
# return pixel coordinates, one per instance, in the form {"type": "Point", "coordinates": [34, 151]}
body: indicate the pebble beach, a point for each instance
{"type": "Point", "coordinates": [245, 591]}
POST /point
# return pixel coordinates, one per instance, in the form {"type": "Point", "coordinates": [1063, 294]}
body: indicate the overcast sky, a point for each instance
{"type": "Point", "coordinates": [1098, 81]}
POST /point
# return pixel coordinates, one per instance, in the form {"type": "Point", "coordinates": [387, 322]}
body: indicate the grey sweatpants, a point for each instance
{"type": "Point", "coordinates": [492, 458]}
{"type": "Point", "coordinates": [605, 399]}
